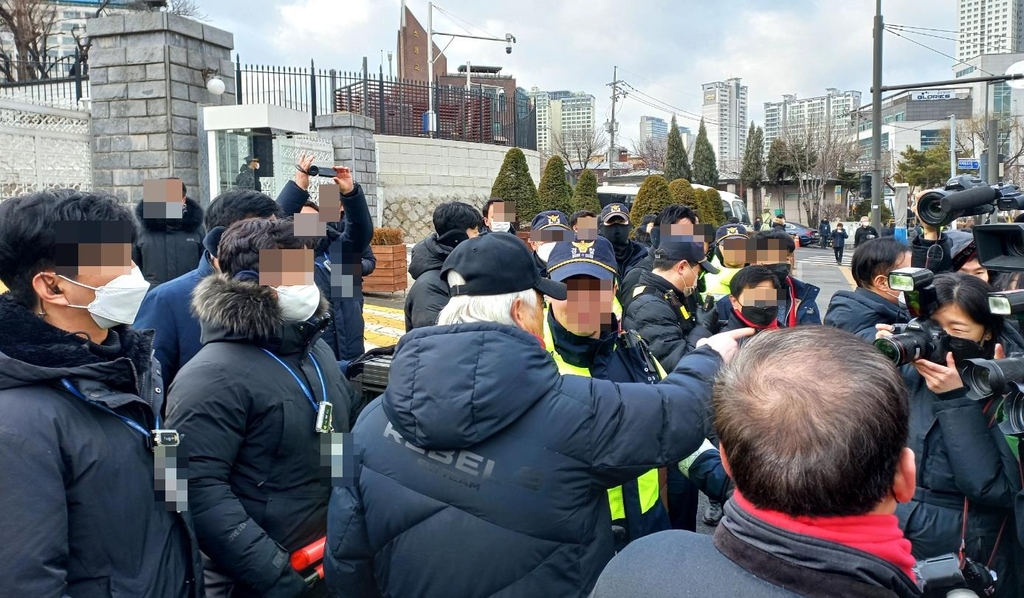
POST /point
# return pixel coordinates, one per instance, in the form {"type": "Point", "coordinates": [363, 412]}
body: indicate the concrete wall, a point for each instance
{"type": "Point", "coordinates": [416, 174]}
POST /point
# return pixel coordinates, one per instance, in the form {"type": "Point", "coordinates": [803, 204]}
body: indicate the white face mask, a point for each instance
{"type": "Point", "coordinates": [299, 302]}
{"type": "Point", "coordinates": [544, 251]}
{"type": "Point", "coordinates": [116, 302]}
{"type": "Point", "coordinates": [902, 300]}
{"type": "Point", "coordinates": [501, 226]}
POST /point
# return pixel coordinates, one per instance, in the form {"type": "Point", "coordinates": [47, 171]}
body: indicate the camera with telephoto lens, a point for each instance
{"type": "Point", "coordinates": [947, 575]}
{"type": "Point", "coordinates": [988, 378]}
{"type": "Point", "coordinates": [921, 338]}
{"type": "Point", "coordinates": [966, 196]}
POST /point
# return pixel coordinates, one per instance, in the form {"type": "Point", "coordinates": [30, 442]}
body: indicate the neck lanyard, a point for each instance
{"type": "Point", "coordinates": [156, 437]}
{"type": "Point", "coordinates": [305, 389]}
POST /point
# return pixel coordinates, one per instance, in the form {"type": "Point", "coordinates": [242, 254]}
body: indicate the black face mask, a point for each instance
{"type": "Point", "coordinates": [617, 234]}
{"type": "Point", "coordinates": [781, 272]}
{"type": "Point", "coordinates": [655, 237]}
{"type": "Point", "coordinates": [964, 349]}
{"type": "Point", "coordinates": [759, 316]}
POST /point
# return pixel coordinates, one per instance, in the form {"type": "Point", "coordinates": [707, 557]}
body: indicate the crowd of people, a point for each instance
{"type": "Point", "coordinates": [551, 417]}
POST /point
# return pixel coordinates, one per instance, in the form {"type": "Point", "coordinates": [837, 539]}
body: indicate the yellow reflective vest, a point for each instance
{"type": "Point", "coordinates": [648, 484]}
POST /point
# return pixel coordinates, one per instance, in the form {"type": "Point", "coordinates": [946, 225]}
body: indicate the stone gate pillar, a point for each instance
{"type": "Point", "coordinates": [147, 79]}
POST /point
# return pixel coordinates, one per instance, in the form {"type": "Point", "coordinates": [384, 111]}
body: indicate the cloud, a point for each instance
{"type": "Point", "coordinates": [665, 48]}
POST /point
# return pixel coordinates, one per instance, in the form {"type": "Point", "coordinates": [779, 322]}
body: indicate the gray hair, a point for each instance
{"type": "Point", "coordinates": [462, 309]}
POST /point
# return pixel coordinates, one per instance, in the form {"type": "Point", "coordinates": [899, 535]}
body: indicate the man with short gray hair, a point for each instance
{"type": "Point", "coordinates": [480, 445]}
{"type": "Point", "coordinates": [818, 477]}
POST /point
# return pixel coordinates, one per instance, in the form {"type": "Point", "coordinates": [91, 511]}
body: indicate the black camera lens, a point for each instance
{"type": "Point", "coordinates": [987, 377]}
{"type": "Point", "coordinates": [929, 209]}
{"type": "Point", "coordinates": [893, 349]}
{"type": "Point", "coordinates": [1013, 411]}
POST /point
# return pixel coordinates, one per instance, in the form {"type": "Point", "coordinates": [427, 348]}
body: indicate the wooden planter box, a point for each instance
{"type": "Point", "coordinates": [391, 273]}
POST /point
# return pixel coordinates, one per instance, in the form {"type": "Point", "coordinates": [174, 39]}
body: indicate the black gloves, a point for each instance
{"type": "Point", "coordinates": [289, 585]}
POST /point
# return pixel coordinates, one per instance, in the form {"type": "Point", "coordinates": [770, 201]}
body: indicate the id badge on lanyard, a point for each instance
{"type": "Point", "coordinates": [324, 422]}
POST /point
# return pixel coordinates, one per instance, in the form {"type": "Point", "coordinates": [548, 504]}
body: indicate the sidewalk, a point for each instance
{"type": "Point", "coordinates": [384, 325]}
{"type": "Point", "coordinates": [818, 267]}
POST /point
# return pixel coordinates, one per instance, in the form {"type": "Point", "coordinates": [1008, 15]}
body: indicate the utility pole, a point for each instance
{"type": "Point", "coordinates": [952, 146]}
{"type": "Point", "coordinates": [876, 121]}
{"type": "Point", "coordinates": [612, 154]}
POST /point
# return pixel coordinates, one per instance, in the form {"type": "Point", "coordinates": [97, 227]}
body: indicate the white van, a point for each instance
{"type": "Point", "coordinates": [732, 205]}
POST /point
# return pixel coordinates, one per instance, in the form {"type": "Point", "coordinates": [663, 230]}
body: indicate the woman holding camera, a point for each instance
{"type": "Point", "coordinates": [967, 477]}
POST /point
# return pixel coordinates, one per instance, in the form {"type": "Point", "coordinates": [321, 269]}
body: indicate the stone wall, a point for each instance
{"type": "Point", "coordinates": [147, 82]}
{"type": "Point", "coordinates": [352, 138]}
{"type": "Point", "coordinates": [417, 174]}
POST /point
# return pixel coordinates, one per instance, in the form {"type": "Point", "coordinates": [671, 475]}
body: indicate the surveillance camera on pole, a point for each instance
{"type": "Point", "coordinates": [430, 117]}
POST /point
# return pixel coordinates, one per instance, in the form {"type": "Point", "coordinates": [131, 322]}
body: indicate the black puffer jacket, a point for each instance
{"type": "Point", "coordinates": [166, 248]}
{"type": "Point", "coordinates": [859, 310]}
{"type": "Point", "coordinates": [481, 474]}
{"type": "Point", "coordinates": [658, 319]}
{"type": "Point", "coordinates": [961, 455]}
{"type": "Point", "coordinates": [255, 487]}
{"type": "Point", "coordinates": [632, 277]}
{"type": "Point", "coordinates": [78, 515]}
{"type": "Point", "coordinates": [429, 292]}
{"type": "Point", "coordinates": [937, 256]}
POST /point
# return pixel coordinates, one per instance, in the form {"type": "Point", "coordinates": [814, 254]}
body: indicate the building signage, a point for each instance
{"type": "Point", "coordinates": [933, 94]}
{"type": "Point", "coordinates": [710, 97]}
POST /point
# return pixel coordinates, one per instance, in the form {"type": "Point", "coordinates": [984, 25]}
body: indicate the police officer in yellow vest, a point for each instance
{"type": "Point", "coordinates": [582, 334]}
{"type": "Point", "coordinates": [730, 257]}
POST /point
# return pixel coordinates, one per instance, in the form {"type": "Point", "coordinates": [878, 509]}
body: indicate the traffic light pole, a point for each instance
{"type": "Point", "coordinates": [876, 121]}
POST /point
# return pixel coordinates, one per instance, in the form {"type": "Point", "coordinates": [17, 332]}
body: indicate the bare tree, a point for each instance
{"type": "Point", "coordinates": [577, 146]}
{"type": "Point", "coordinates": [30, 23]}
{"type": "Point", "coordinates": [815, 154]}
{"type": "Point", "coordinates": [653, 152]}
{"type": "Point", "coordinates": [972, 139]}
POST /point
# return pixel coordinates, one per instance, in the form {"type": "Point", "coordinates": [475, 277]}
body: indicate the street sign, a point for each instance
{"type": "Point", "coordinates": [968, 164]}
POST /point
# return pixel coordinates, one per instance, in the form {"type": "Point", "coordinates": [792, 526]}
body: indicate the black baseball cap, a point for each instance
{"type": "Point", "coordinates": [497, 265]}
{"type": "Point", "coordinates": [590, 258]}
{"type": "Point", "coordinates": [677, 250]}
{"type": "Point", "coordinates": [615, 210]}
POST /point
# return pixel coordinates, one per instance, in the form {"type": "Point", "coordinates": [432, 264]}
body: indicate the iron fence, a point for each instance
{"type": "Point", "coordinates": [65, 80]}
{"type": "Point", "coordinates": [481, 112]}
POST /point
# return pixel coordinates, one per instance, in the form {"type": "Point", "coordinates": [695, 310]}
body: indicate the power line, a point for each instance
{"type": "Point", "coordinates": [939, 52]}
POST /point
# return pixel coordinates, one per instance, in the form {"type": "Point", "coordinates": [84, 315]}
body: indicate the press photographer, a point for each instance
{"type": "Point", "coordinates": [967, 476]}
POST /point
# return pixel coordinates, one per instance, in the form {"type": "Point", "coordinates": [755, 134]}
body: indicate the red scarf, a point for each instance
{"type": "Point", "coordinates": [879, 535]}
{"type": "Point", "coordinates": [792, 303]}
{"type": "Point", "coordinates": [773, 326]}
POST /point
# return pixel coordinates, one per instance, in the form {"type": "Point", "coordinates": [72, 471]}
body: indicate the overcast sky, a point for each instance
{"type": "Point", "coordinates": [664, 48]}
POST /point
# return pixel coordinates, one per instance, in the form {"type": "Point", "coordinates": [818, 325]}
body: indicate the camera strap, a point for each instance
{"type": "Point", "coordinates": [322, 408]}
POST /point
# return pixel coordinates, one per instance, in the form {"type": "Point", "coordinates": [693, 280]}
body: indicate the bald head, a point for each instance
{"type": "Point", "coordinates": [813, 421]}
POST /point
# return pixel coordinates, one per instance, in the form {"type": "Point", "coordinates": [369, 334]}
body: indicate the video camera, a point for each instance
{"type": "Point", "coordinates": [921, 338]}
{"type": "Point", "coordinates": [947, 576]}
{"type": "Point", "coordinates": [966, 196]}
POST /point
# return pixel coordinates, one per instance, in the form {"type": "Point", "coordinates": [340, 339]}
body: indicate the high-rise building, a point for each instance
{"type": "Point", "coordinates": [798, 115]}
{"type": "Point", "coordinates": [725, 117]}
{"type": "Point", "coordinates": [654, 128]}
{"type": "Point", "coordinates": [69, 17]}
{"type": "Point", "coordinates": [989, 27]}
{"type": "Point", "coordinates": [564, 115]}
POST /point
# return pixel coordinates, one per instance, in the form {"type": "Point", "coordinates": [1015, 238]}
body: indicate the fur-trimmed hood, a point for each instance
{"type": "Point", "coordinates": [34, 352]}
{"type": "Point", "coordinates": [191, 219]}
{"type": "Point", "coordinates": [233, 310]}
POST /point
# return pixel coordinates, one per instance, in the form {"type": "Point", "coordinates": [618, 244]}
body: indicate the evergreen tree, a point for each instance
{"type": "Point", "coordinates": [684, 193]}
{"type": "Point", "coordinates": [777, 166]}
{"type": "Point", "coordinates": [584, 196]}
{"type": "Point", "coordinates": [653, 197]}
{"type": "Point", "coordinates": [677, 164]}
{"type": "Point", "coordinates": [554, 191]}
{"type": "Point", "coordinates": [514, 184]}
{"type": "Point", "coordinates": [705, 169]}
{"type": "Point", "coordinates": [752, 174]}
{"type": "Point", "coordinates": [714, 212]}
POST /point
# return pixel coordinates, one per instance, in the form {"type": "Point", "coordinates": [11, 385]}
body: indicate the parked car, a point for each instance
{"type": "Point", "coordinates": [807, 236]}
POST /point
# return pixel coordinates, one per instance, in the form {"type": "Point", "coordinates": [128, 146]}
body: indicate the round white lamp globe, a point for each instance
{"type": "Point", "coordinates": [215, 86]}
